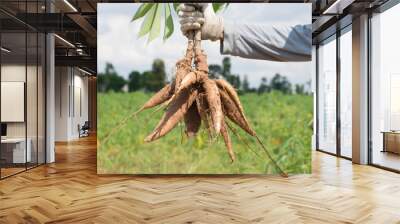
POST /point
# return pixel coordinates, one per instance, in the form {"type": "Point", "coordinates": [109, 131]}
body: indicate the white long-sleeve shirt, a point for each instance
{"type": "Point", "coordinates": [268, 42]}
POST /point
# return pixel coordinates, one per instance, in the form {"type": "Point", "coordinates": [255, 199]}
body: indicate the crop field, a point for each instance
{"type": "Point", "coordinates": [283, 122]}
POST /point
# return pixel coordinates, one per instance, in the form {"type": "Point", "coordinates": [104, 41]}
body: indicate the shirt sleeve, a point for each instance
{"type": "Point", "coordinates": [268, 42]}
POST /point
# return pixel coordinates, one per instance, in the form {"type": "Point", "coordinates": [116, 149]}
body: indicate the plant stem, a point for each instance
{"type": "Point", "coordinates": [283, 173]}
{"type": "Point", "coordinates": [197, 41]}
{"type": "Point", "coordinates": [120, 124]}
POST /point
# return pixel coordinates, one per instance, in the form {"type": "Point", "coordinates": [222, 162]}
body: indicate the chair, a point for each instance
{"type": "Point", "coordinates": [84, 130]}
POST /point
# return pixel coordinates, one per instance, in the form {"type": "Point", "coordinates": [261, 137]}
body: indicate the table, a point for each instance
{"type": "Point", "coordinates": [18, 150]}
{"type": "Point", "coordinates": [391, 141]}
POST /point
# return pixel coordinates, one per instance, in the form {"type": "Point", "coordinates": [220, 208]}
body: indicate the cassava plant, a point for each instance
{"type": "Point", "coordinates": [153, 18]}
{"type": "Point", "coordinates": [194, 98]}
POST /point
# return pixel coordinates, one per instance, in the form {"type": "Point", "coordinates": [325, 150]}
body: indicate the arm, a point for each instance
{"type": "Point", "coordinates": [267, 42]}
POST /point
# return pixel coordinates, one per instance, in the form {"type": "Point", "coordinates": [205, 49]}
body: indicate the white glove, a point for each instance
{"type": "Point", "coordinates": [194, 16]}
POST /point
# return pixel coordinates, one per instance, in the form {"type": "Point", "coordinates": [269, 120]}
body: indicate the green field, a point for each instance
{"type": "Point", "coordinates": [283, 122]}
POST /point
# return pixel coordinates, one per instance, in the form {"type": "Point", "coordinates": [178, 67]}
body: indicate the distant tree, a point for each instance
{"type": "Point", "coordinates": [245, 84]}
{"type": "Point", "coordinates": [299, 89]}
{"type": "Point", "coordinates": [158, 67]}
{"type": "Point", "coordinates": [214, 71]}
{"type": "Point", "coordinates": [149, 81]}
{"type": "Point", "coordinates": [253, 90]}
{"type": "Point", "coordinates": [116, 83]}
{"type": "Point", "coordinates": [101, 82]}
{"type": "Point", "coordinates": [110, 80]}
{"type": "Point", "coordinates": [238, 82]}
{"type": "Point", "coordinates": [109, 69]}
{"type": "Point", "coordinates": [102, 79]}
{"type": "Point", "coordinates": [234, 80]}
{"type": "Point", "coordinates": [264, 87]}
{"type": "Point", "coordinates": [154, 80]}
{"type": "Point", "coordinates": [135, 81]}
{"type": "Point", "coordinates": [281, 83]}
{"type": "Point", "coordinates": [226, 66]}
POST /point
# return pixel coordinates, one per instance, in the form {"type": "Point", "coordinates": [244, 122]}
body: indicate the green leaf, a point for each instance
{"type": "Point", "coordinates": [217, 6]}
{"type": "Point", "coordinates": [148, 21]}
{"type": "Point", "coordinates": [142, 10]}
{"type": "Point", "coordinates": [169, 22]}
{"type": "Point", "coordinates": [156, 25]}
{"type": "Point", "coordinates": [152, 13]}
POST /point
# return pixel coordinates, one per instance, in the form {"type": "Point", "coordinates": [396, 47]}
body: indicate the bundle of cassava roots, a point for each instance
{"type": "Point", "coordinates": [195, 99]}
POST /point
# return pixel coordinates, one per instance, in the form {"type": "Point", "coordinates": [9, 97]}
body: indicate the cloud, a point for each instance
{"type": "Point", "coordinates": [118, 42]}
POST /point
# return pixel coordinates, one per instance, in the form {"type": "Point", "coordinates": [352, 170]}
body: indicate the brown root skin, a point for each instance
{"type": "Point", "coordinates": [243, 140]}
{"type": "Point", "coordinates": [190, 47]}
{"type": "Point", "coordinates": [214, 100]}
{"type": "Point", "coordinates": [160, 97]}
{"type": "Point", "coordinates": [190, 79]}
{"type": "Point", "coordinates": [223, 84]}
{"type": "Point", "coordinates": [202, 108]}
{"type": "Point", "coordinates": [227, 140]}
{"type": "Point", "coordinates": [190, 50]}
{"type": "Point", "coordinates": [214, 103]}
{"type": "Point", "coordinates": [201, 61]}
{"type": "Point", "coordinates": [192, 121]}
{"type": "Point", "coordinates": [182, 68]}
{"type": "Point", "coordinates": [232, 112]}
{"type": "Point", "coordinates": [175, 112]}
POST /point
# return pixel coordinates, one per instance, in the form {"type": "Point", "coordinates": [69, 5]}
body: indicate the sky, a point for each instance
{"type": "Point", "coordinates": [118, 42]}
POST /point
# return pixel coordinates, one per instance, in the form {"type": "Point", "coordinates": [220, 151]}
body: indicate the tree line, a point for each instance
{"type": "Point", "coordinates": [154, 79]}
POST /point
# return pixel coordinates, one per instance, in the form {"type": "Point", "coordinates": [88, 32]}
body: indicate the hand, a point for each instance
{"type": "Point", "coordinates": [195, 16]}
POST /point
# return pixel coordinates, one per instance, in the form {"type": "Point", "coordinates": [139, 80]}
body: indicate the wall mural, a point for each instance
{"type": "Point", "coordinates": [184, 89]}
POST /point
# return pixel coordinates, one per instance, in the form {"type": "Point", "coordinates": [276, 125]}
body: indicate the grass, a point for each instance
{"type": "Point", "coordinates": [283, 122]}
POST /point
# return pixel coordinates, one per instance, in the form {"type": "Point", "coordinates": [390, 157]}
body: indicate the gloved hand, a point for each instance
{"type": "Point", "coordinates": [194, 16]}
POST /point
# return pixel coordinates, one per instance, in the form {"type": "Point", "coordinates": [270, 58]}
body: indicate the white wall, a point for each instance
{"type": "Point", "coordinates": [12, 73]}
{"type": "Point", "coordinates": [33, 126]}
{"type": "Point", "coordinates": [80, 110]}
{"type": "Point", "coordinates": [16, 73]}
{"type": "Point", "coordinates": [62, 82]}
{"type": "Point", "coordinates": [71, 94]}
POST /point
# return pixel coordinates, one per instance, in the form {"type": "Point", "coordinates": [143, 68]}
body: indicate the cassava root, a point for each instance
{"type": "Point", "coordinates": [207, 100]}
{"type": "Point", "coordinates": [194, 98]}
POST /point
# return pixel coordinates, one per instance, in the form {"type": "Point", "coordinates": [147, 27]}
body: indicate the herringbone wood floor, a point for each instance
{"type": "Point", "coordinates": [69, 191]}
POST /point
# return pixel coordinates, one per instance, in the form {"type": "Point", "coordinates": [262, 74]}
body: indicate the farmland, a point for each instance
{"type": "Point", "coordinates": [283, 122]}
